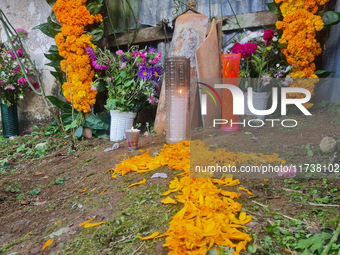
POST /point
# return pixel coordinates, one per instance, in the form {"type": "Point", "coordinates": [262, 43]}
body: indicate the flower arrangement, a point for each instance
{"type": "Point", "coordinates": [259, 59]}
{"type": "Point", "coordinates": [12, 80]}
{"type": "Point", "coordinates": [131, 77]}
{"type": "Point", "coordinates": [72, 43]}
{"type": "Point", "coordinates": [300, 25]}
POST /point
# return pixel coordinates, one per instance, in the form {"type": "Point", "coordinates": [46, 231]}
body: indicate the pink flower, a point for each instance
{"type": "Point", "coordinates": [156, 60]}
{"type": "Point", "coordinates": [123, 65]}
{"type": "Point", "coordinates": [284, 83]}
{"type": "Point", "coordinates": [268, 36]}
{"type": "Point", "coordinates": [35, 85]}
{"type": "Point", "coordinates": [20, 52]}
{"type": "Point", "coordinates": [9, 87]}
{"type": "Point", "coordinates": [119, 52]}
{"type": "Point", "coordinates": [246, 50]}
{"type": "Point", "coordinates": [21, 30]}
{"type": "Point", "coordinates": [265, 79]}
{"type": "Point", "coordinates": [15, 70]}
{"type": "Point", "coordinates": [288, 171]}
{"type": "Point", "coordinates": [153, 99]}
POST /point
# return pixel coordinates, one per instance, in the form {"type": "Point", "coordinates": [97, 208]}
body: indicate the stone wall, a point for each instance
{"type": "Point", "coordinates": [27, 14]}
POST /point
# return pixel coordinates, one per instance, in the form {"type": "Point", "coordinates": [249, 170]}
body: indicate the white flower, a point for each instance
{"type": "Point", "coordinates": [275, 39]}
{"type": "Point", "coordinates": [21, 97]}
{"type": "Point", "coordinates": [226, 49]}
{"type": "Point", "coordinates": [245, 40]}
{"type": "Point", "coordinates": [277, 65]}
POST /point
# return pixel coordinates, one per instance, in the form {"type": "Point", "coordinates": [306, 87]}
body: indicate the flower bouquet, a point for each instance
{"type": "Point", "coordinates": [131, 77]}
{"type": "Point", "coordinates": [131, 80]}
{"type": "Point", "coordinates": [12, 80]}
{"type": "Point", "coordinates": [260, 58]}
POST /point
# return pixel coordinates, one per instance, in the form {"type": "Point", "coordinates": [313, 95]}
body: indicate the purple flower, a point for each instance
{"type": "Point", "coordinates": [144, 73]}
{"type": "Point", "coordinates": [156, 73]}
{"type": "Point", "coordinates": [93, 88]}
{"type": "Point", "coordinates": [9, 87]}
{"type": "Point", "coordinates": [152, 99]}
{"type": "Point", "coordinates": [152, 49]}
{"type": "Point", "coordinates": [91, 53]}
{"type": "Point", "coordinates": [98, 67]}
{"type": "Point", "coordinates": [119, 52]}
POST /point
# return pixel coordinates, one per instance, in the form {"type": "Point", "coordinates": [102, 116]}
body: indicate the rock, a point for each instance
{"type": "Point", "coordinates": [41, 145]}
{"type": "Point", "coordinates": [328, 144]}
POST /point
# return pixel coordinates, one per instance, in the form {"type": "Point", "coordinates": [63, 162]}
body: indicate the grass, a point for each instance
{"type": "Point", "coordinates": [140, 213]}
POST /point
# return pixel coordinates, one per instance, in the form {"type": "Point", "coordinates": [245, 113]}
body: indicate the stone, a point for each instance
{"type": "Point", "coordinates": [41, 145]}
{"type": "Point", "coordinates": [328, 144]}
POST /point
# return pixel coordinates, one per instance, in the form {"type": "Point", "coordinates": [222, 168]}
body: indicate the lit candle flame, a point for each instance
{"type": "Point", "coordinates": [180, 91]}
{"type": "Point", "coordinates": [132, 128]}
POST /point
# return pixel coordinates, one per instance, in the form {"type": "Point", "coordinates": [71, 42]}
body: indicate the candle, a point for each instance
{"type": "Point", "coordinates": [178, 115]}
{"type": "Point", "coordinates": [132, 137]}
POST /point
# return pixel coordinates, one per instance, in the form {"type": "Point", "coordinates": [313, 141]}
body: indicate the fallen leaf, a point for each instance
{"type": "Point", "coordinates": [137, 183]}
{"type": "Point", "coordinates": [154, 235]}
{"type": "Point", "coordinates": [93, 189]}
{"type": "Point", "coordinates": [84, 223]}
{"type": "Point", "coordinates": [90, 225]}
{"type": "Point", "coordinates": [57, 222]}
{"type": "Point", "coordinates": [83, 191]}
{"type": "Point", "coordinates": [38, 173]}
{"type": "Point", "coordinates": [249, 193]}
{"type": "Point", "coordinates": [45, 177]}
{"type": "Point", "coordinates": [48, 243]}
{"type": "Point", "coordinates": [103, 191]}
{"type": "Point", "coordinates": [169, 200]}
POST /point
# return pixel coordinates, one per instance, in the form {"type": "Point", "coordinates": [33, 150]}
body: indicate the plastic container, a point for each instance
{"type": "Point", "coordinates": [120, 121]}
{"type": "Point", "coordinates": [9, 119]}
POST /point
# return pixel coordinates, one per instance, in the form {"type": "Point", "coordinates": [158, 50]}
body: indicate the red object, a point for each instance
{"type": "Point", "coordinates": [231, 68]}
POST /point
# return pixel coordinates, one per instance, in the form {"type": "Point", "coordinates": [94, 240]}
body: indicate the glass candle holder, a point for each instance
{"type": "Point", "coordinates": [177, 92]}
{"type": "Point", "coordinates": [132, 137]}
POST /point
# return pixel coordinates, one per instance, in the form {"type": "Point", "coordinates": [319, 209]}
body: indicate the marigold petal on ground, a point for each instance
{"type": "Point", "coordinates": [152, 236]}
{"type": "Point", "coordinates": [169, 200]}
{"type": "Point", "coordinates": [249, 193]}
{"type": "Point", "coordinates": [91, 225]}
{"type": "Point", "coordinates": [84, 223]}
{"type": "Point", "coordinates": [137, 183]}
{"type": "Point", "coordinates": [48, 243]}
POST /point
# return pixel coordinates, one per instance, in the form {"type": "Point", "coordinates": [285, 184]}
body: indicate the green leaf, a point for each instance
{"type": "Point", "coordinates": [99, 132]}
{"type": "Point", "coordinates": [34, 192]}
{"type": "Point", "coordinates": [323, 73]}
{"type": "Point", "coordinates": [94, 7]}
{"type": "Point", "coordinates": [65, 107]}
{"type": "Point", "coordinates": [331, 18]}
{"type": "Point", "coordinates": [54, 57]}
{"type": "Point", "coordinates": [96, 122]}
{"type": "Point", "coordinates": [314, 241]}
{"type": "Point", "coordinates": [67, 118]}
{"type": "Point", "coordinates": [79, 132]}
{"type": "Point", "coordinates": [51, 2]}
{"type": "Point", "coordinates": [72, 125]}
{"type": "Point", "coordinates": [55, 64]}
{"type": "Point", "coordinates": [45, 29]}
{"type": "Point", "coordinates": [54, 27]}
{"type": "Point", "coordinates": [310, 153]}
{"type": "Point", "coordinates": [127, 84]}
{"type": "Point", "coordinates": [97, 34]}
{"type": "Point", "coordinates": [53, 49]}
{"type": "Point", "coordinates": [274, 8]}
{"type": "Point", "coordinates": [59, 75]}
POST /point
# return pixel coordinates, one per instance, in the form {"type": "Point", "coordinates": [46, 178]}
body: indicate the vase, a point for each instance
{"type": "Point", "coordinates": [120, 122]}
{"type": "Point", "coordinates": [9, 119]}
{"type": "Point", "coordinates": [260, 100]}
{"type": "Point", "coordinates": [230, 75]}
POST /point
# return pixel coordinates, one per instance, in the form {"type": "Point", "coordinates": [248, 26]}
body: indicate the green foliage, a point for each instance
{"type": "Point", "coordinates": [331, 18]}
{"type": "Point", "coordinates": [313, 243]}
{"type": "Point", "coordinates": [94, 6]}
{"type": "Point", "coordinates": [274, 8]}
{"type": "Point", "coordinates": [65, 107]}
{"type": "Point", "coordinates": [323, 73]}
{"type": "Point", "coordinates": [34, 192]}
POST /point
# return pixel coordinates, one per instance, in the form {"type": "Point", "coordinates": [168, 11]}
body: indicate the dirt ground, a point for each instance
{"type": "Point", "coordinates": [65, 187]}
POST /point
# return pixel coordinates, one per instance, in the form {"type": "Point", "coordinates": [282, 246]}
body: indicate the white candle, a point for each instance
{"type": "Point", "coordinates": [178, 118]}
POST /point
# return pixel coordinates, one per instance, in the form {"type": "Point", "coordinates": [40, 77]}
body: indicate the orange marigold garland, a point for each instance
{"type": "Point", "coordinates": [299, 26]}
{"type": "Point", "coordinates": [72, 43]}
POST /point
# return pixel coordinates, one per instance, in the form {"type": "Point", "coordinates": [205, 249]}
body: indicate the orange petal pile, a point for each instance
{"type": "Point", "coordinates": [210, 216]}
